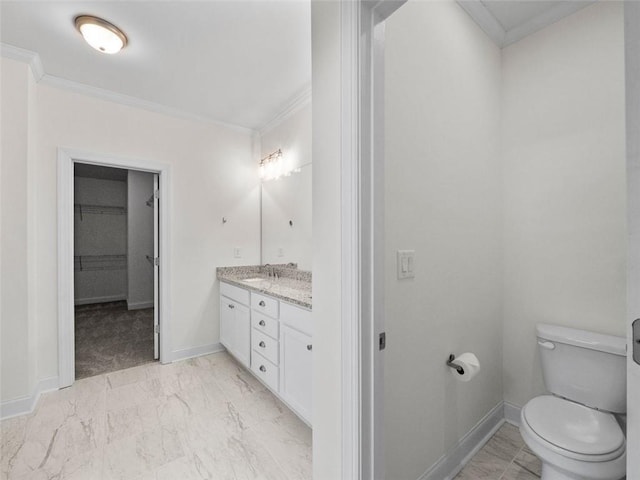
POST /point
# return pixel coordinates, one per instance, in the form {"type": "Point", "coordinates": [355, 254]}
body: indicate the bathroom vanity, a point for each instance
{"type": "Point", "coordinates": [265, 323]}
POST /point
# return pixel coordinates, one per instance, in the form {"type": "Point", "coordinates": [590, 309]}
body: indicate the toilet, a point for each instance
{"type": "Point", "coordinates": [575, 431]}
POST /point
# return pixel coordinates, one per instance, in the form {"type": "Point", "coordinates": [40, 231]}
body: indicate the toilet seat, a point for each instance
{"type": "Point", "coordinates": [573, 430]}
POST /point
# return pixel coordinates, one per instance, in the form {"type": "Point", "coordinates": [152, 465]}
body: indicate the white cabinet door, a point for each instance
{"type": "Point", "coordinates": [227, 337]}
{"type": "Point", "coordinates": [235, 329]}
{"type": "Point", "coordinates": [296, 357]}
{"type": "Point", "coordinates": [242, 323]}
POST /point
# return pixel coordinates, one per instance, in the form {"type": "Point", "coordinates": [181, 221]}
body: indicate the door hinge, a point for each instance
{"type": "Point", "coordinates": [156, 193]}
{"type": "Point", "coordinates": [156, 261]}
{"type": "Point", "coordinates": [382, 341]}
{"type": "Point", "coordinates": [156, 328]}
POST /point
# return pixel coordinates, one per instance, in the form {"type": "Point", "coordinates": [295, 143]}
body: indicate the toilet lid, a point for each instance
{"type": "Point", "coordinates": [573, 427]}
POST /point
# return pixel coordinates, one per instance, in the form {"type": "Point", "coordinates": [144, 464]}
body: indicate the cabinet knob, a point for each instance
{"type": "Point", "coordinates": [232, 306]}
{"type": "Point", "coordinates": [309, 347]}
{"type": "Point", "coordinates": [261, 303]}
{"type": "Point", "coordinates": [262, 323]}
{"type": "Point", "coordinates": [263, 368]}
{"type": "Point", "coordinates": [262, 344]}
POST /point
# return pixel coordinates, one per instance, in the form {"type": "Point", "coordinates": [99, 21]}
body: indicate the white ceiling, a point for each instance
{"type": "Point", "coordinates": [507, 21]}
{"type": "Point", "coordinates": [239, 62]}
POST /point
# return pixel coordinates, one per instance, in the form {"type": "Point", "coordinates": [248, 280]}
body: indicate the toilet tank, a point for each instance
{"type": "Point", "coordinates": [586, 367]}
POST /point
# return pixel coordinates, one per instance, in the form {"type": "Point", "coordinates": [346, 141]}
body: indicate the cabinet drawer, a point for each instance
{"type": "Point", "coordinates": [296, 317]}
{"type": "Point", "coordinates": [264, 324]}
{"type": "Point", "coordinates": [265, 370]}
{"type": "Point", "coordinates": [234, 293]}
{"type": "Point", "coordinates": [265, 346]}
{"type": "Point", "coordinates": [264, 304]}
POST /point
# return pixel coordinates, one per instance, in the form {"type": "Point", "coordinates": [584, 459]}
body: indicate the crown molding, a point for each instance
{"type": "Point", "coordinates": [34, 62]}
{"type": "Point", "coordinates": [503, 38]}
{"type": "Point", "coordinates": [25, 56]}
{"type": "Point", "coordinates": [543, 20]}
{"type": "Point", "coordinates": [291, 106]}
{"type": "Point", "coordinates": [485, 20]}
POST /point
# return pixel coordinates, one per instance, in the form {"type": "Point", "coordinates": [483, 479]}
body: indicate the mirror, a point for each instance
{"type": "Point", "coordinates": [286, 219]}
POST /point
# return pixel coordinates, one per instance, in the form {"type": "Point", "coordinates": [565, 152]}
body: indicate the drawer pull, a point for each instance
{"type": "Point", "coordinates": [309, 347]}
{"type": "Point", "coordinates": [263, 368]}
{"type": "Point", "coordinates": [232, 306]}
{"type": "Point", "coordinates": [261, 303]}
{"type": "Point", "coordinates": [262, 323]}
{"type": "Point", "coordinates": [262, 344]}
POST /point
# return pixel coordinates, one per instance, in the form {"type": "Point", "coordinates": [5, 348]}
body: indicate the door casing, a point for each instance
{"type": "Point", "coordinates": [66, 159]}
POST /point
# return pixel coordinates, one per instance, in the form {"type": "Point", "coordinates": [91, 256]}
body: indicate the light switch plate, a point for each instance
{"type": "Point", "coordinates": [237, 253]}
{"type": "Point", "coordinates": [406, 264]}
{"type": "Point", "coordinates": [280, 252]}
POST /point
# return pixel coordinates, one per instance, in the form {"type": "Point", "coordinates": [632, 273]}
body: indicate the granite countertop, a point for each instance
{"type": "Point", "coordinates": [284, 282]}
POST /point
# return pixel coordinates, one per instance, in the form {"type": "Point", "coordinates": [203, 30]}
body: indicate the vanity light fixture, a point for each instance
{"type": "Point", "coordinates": [100, 34]}
{"type": "Point", "coordinates": [271, 166]}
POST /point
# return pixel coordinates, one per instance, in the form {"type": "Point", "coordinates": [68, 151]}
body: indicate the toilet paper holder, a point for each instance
{"type": "Point", "coordinates": [453, 365]}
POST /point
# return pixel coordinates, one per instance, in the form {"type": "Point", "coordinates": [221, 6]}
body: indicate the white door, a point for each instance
{"type": "Point", "coordinates": [297, 363]}
{"type": "Point", "coordinates": [242, 328]}
{"type": "Point", "coordinates": [226, 323]}
{"type": "Point", "coordinates": [156, 268]}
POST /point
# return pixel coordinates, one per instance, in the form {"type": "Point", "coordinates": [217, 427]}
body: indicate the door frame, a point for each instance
{"type": "Point", "coordinates": [66, 313]}
{"type": "Point", "coordinates": [632, 101]}
{"type": "Point", "coordinates": [362, 158]}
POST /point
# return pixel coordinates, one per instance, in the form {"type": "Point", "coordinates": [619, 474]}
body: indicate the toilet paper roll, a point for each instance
{"type": "Point", "coordinates": [470, 364]}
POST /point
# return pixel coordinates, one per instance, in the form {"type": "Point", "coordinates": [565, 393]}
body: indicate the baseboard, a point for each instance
{"type": "Point", "coordinates": [512, 413]}
{"type": "Point", "coordinates": [139, 305]}
{"type": "Point", "coordinates": [106, 299]}
{"type": "Point", "coordinates": [196, 351]}
{"type": "Point", "coordinates": [450, 464]}
{"type": "Point", "coordinates": [27, 403]}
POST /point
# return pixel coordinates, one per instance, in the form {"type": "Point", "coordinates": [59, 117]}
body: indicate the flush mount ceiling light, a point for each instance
{"type": "Point", "coordinates": [100, 34]}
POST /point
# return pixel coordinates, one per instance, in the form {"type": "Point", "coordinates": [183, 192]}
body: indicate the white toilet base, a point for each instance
{"type": "Point", "coordinates": [550, 473]}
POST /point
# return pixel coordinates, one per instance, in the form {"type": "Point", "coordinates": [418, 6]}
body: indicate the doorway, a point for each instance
{"type": "Point", "coordinates": [108, 318]}
{"type": "Point", "coordinates": [115, 322]}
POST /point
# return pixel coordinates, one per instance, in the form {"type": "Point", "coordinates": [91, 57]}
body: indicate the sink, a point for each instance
{"type": "Point", "coordinates": [254, 280]}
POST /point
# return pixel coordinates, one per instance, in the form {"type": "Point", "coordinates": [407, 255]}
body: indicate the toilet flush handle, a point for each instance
{"type": "Point", "coordinates": [547, 345]}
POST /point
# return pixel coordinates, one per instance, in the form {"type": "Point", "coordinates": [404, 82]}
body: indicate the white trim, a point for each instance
{"type": "Point", "coordinates": [546, 18]}
{"type": "Point", "coordinates": [632, 101]}
{"type": "Point", "coordinates": [352, 463]}
{"type": "Point", "coordinates": [485, 20]}
{"type": "Point", "coordinates": [503, 38]}
{"type": "Point", "coordinates": [27, 403]}
{"type": "Point", "coordinates": [292, 106]}
{"type": "Point", "coordinates": [362, 247]}
{"type": "Point", "coordinates": [193, 352]}
{"type": "Point", "coordinates": [512, 413]}
{"type": "Point", "coordinates": [105, 299]}
{"type": "Point", "coordinates": [25, 56]}
{"type": "Point", "coordinates": [450, 464]}
{"type": "Point", "coordinates": [33, 59]}
{"type": "Point", "coordinates": [66, 159]}
{"type": "Point", "coordinates": [139, 305]}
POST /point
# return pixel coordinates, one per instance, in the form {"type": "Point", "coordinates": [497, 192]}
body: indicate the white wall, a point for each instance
{"type": "Point", "coordinates": [443, 200]}
{"type": "Point", "coordinates": [288, 198]}
{"type": "Point", "coordinates": [15, 330]}
{"type": "Point", "coordinates": [565, 190]}
{"type": "Point", "coordinates": [99, 234]}
{"type": "Point", "coordinates": [139, 239]}
{"type": "Point", "coordinates": [213, 175]}
{"type": "Point", "coordinates": [632, 74]}
{"type": "Point", "coordinates": [327, 413]}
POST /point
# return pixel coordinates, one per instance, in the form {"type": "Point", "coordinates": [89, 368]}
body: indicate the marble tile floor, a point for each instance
{"type": "Point", "coordinates": [108, 337]}
{"type": "Point", "coordinates": [504, 457]}
{"type": "Point", "coordinates": [203, 418]}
